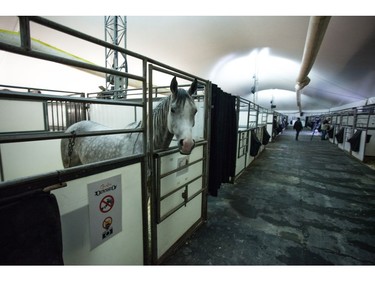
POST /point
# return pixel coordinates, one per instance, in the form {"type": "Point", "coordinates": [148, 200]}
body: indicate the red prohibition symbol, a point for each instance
{"type": "Point", "coordinates": [106, 204]}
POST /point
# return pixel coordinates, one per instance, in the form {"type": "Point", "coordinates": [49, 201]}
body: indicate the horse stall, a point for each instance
{"type": "Point", "coordinates": [126, 209]}
{"type": "Point", "coordinates": [179, 182]}
{"type": "Point", "coordinates": [345, 127]}
{"type": "Point", "coordinates": [356, 130]}
{"type": "Point", "coordinates": [252, 133]}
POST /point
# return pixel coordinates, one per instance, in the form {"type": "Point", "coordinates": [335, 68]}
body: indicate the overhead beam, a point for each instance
{"type": "Point", "coordinates": [314, 38]}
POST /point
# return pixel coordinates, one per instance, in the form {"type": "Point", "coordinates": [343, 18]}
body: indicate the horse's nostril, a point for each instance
{"type": "Point", "coordinates": [181, 142]}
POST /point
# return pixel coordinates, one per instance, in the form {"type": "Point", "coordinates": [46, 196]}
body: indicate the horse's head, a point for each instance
{"type": "Point", "coordinates": [181, 115]}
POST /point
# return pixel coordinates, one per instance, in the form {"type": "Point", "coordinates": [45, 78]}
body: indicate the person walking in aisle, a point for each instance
{"type": "Point", "coordinates": [298, 127]}
{"type": "Point", "coordinates": [324, 129]}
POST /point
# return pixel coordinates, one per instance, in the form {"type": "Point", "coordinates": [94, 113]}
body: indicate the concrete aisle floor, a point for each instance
{"type": "Point", "coordinates": [300, 202]}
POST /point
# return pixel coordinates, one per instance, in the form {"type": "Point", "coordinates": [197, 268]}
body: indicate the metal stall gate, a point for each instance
{"type": "Point", "coordinates": [252, 133]}
{"type": "Point", "coordinates": [89, 214]}
{"type": "Point", "coordinates": [179, 182]}
{"type": "Point", "coordinates": [353, 130]}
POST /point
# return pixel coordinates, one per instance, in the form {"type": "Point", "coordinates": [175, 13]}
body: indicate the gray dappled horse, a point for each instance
{"type": "Point", "coordinates": [173, 116]}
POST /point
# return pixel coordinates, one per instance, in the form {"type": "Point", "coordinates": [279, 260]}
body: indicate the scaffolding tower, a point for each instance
{"type": "Point", "coordinates": [115, 33]}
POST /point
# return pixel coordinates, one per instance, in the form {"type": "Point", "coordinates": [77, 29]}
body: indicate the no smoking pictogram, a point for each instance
{"type": "Point", "coordinates": [106, 204]}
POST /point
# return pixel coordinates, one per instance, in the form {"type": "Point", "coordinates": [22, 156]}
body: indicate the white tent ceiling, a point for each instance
{"type": "Point", "coordinates": [235, 51]}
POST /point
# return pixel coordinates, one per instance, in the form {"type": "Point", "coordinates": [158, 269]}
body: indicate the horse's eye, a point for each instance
{"type": "Point", "coordinates": [173, 110]}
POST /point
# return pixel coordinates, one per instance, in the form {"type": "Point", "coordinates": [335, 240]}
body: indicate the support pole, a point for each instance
{"type": "Point", "coordinates": [115, 33]}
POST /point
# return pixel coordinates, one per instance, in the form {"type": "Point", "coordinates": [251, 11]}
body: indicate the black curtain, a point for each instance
{"type": "Point", "coordinates": [266, 136]}
{"type": "Point", "coordinates": [255, 144]}
{"type": "Point", "coordinates": [330, 132]}
{"type": "Point", "coordinates": [31, 231]}
{"type": "Point", "coordinates": [355, 141]}
{"type": "Point", "coordinates": [223, 139]}
{"type": "Point", "coordinates": [340, 136]}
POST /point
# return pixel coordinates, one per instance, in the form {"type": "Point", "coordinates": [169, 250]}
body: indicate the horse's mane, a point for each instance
{"type": "Point", "coordinates": [162, 137]}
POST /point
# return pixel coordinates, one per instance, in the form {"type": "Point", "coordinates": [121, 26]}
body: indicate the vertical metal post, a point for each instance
{"type": "Point", "coordinates": [25, 33]}
{"type": "Point", "coordinates": [206, 133]}
{"type": "Point", "coordinates": [145, 174]}
{"type": "Point", "coordinates": [115, 33]}
{"type": "Point", "coordinates": [152, 176]}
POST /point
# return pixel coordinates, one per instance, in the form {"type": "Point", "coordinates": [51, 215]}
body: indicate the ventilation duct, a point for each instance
{"type": "Point", "coordinates": [315, 34]}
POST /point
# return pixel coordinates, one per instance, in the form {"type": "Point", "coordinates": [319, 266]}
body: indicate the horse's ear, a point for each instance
{"type": "Point", "coordinates": [174, 85]}
{"type": "Point", "coordinates": [193, 87]}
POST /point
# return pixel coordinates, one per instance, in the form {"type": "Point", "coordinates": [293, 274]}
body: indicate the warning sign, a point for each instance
{"type": "Point", "coordinates": [107, 203]}
{"type": "Point", "coordinates": [105, 207]}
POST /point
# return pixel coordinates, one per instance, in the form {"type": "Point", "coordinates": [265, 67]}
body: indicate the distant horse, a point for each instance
{"type": "Point", "coordinates": [174, 116]}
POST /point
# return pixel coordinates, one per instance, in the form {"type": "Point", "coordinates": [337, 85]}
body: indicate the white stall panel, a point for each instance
{"type": "Point", "coordinates": [17, 116]}
{"type": "Point", "coordinates": [175, 180]}
{"type": "Point", "coordinates": [370, 146]}
{"type": "Point", "coordinates": [114, 116]}
{"type": "Point", "coordinates": [347, 135]}
{"type": "Point", "coordinates": [361, 153]}
{"type": "Point", "coordinates": [240, 164]}
{"type": "Point", "coordinates": [172, 161]}
{"type": "Point", "coordinates": [30, 158]}
{"type": "Point", "coordinates": [177, 215]}
{"type": "Point", "coordinates": [124, 248]}
{"type": "Point", "coordinates": [168, 204]}
{"type": "Point", "coordinates": [371, 123]}
{"type": "Point", "coordinates": [270, 125]}
{"type": "Point", "coordinates": [171, 229]}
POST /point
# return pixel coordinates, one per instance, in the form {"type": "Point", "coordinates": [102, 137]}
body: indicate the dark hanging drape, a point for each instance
{"type": "Point", "coordinates": [31, 231]}
{"type": "Point", "coordinates": [266, 136]}
{"type": "Point", "coordinates": [255, 144]}
{"type": "Point", "coordinates": [223, 139]}
{"type": "Point", "coordinates": [340, 135]}
{"type": "Point", "coordinates": [355, 141]}
{"type": "Point", "coordinates": [330, 132]}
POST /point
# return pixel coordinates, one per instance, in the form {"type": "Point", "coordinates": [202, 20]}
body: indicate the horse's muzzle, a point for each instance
{"type": "Point", "coordinates": [186, 146]}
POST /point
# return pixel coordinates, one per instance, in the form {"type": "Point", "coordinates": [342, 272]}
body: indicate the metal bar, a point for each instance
{"type": "Point", "coordinates": [22, 186]}
{"type": "Point", "coordinates": [75, 63]}
{"type": "Point", "coordinates": [161, 153]}
{"type": "Point", "coordinates": [83, 36]}
{"type": "Point", "coordinates": [43, 97]}
{"type": "Point", "coordinates": [40, 89]}
{"type": "Point", "coordinates": [179, 206]}
{"type": "Point", "coordinates": [206, 150]}
{"type": "Point", "coordinates": [153, 182]}
{"type": "Point", "coordinates": [94, 40]}
{"type": "Point", "coordinates": [145, 172]}
{"type": "Point", "coordinates": [175, 72]}
{"type": "Point", "coordinates": [161, 198]}
{"type": "Point", "coordinates": [180, 168]}
{"type": "Point", "coordinates": [25, 33]}
{"type": "Point", "coordinates": [36, 136]}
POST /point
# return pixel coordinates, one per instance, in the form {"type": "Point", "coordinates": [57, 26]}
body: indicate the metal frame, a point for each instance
{"type": "Point", "coordinates": [56, 179]}
{"type": "Point", "coordinates": [155, 163]}
{"type": "Point", "coordinates": [160, 176]}
{"type": "Point", "coordinates": [351, 119]}
{"type": "Point", "coordinates": [256, 120]}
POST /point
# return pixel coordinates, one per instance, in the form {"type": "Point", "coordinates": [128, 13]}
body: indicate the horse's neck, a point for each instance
{"type": "Point", "coordinates": [163, 141]}
{"type": "Point", "coordinates": [162, 136]}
